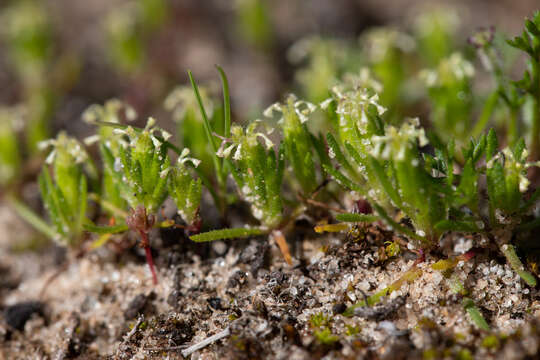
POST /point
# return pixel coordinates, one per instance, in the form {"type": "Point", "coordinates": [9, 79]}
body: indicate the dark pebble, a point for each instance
{"type": "Point", "coordinates": [215, 303]}
{"type": "Point", "coordinates": [339, 308]}
{"type": "Point", "coordinates": [17, 315]}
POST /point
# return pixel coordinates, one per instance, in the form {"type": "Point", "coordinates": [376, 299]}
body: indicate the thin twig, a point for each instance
{"type": "Point", "coordinates": [190, 350]}
{"type": "Point", "coordinates": [135, 328]}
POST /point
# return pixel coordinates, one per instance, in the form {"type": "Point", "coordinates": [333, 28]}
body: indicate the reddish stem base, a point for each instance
{"type": "Point", "coordinates": [150, 261]}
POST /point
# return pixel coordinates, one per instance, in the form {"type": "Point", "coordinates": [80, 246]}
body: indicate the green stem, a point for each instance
{"type": "Point", "coordinates": [486, 114]}
{"type": "Point", "coordinates": [220, 175]}
{"type": "Point", "coordinates": [33, 219]}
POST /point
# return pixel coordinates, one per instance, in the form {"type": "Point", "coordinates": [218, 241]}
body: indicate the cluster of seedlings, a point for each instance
{"type": "Point", "coordinates": [354, 139]}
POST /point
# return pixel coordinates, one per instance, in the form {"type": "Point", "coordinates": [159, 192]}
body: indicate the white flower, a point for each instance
{"type": "Point", "coordinates": [65, 144]}
{"type": "Point", "coordinates": [395, 143]}
{"type": "Point", "coordinates": [300, 107]}
{"type": "Point", "coordinates": [184, 158]}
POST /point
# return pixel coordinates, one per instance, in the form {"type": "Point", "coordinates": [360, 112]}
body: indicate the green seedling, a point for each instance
{"type": "Point", "coordinates": [64, 192]}
{"type": "Point", "coordinates": [186, 191]}
{"type": "Point", "coordinates": [297, 140]}
{"type": "Point", "coordinates": [258, 173]}
{"type": "Point", "coordinates": [112, 112]}
{"type": "Point", "coordinates": [141, 171]}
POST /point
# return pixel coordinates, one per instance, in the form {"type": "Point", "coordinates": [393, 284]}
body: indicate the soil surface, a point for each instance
{"type": "Point", "coordinates": [104, 304]}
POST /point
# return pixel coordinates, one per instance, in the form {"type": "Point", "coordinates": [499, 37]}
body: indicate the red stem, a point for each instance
{"type": "Point", "coordinates": [149, 258]}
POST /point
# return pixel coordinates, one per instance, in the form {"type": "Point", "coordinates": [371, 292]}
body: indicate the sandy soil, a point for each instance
{"type": "Point", "coordinates": [104, 304]}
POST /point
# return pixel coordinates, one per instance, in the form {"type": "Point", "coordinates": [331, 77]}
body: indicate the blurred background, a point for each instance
{"type": "Point", "coordinates": [57, 57]}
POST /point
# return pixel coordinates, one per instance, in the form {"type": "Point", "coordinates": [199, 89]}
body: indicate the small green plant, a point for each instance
{"type": "Point", "coordinates": [320, 324]}
{"type": "Point", "coordinates": [64, 192]}
{"type": "Point", "coordinates": [141, 171]}
{"type": "Point", "coordinates": [325, 336]}
{"type": "Point", "coordinates": [297, 140]}
{"type": "Point", "coordinates": [319, 320]}
{"type": "Point", "coordinates": [186, 191]}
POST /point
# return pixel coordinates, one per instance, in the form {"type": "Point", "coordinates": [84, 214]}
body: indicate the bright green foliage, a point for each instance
{"type": "Point", "coordinates": [319, 320]}
{"type": "Point", "coordinates": [64, 192]}
{"type": "Point", "coordinates": [142, 168]}
{"type": "Point", "coordinates": [184, 189]}
{"type": "Point", "coordinates": [449, 88]}
{"type": "Point", "coordinates": [297, 140]}
{"type": "Point", "coordinates": [10, 158]}
{"type": "Point", "coordinates": [109, 114]}
{"type": "Point", "coordinates": [384, 164]}
{"type": "Point", "coordinates": [258, 172]}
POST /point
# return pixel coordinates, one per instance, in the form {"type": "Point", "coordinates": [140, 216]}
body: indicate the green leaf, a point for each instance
{"type": "Point", "coordinates": [475, 314]}
{"type": "Point", "coordinates": [226, 103]}
{"type": "Point", "coordinates": [509, 252]}
{"type": "Point", "coordinates": [354, 217]}
{"type": "Point", "coordinates": [492, 145]}
{"type": "Point", "coordinates": [532, 28]}
{"type": "Point", "coordinates": [227, 234]}
{"type": "Point", "coordinates": [338, 154]}
{"type": "Point", "coordinates": [102, 230]}
{"type": "Point", "coordinates": [342, 179]}
{"type": "Point", "coordinates": [384, 181]}
{"type": "Point", "coordinates": [207, 127]}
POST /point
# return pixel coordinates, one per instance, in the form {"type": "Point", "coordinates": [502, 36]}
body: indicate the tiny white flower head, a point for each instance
{"type": "Point", "coordinates": [184, 158]}
{"type": "Point", "coordinates": [66, 146]}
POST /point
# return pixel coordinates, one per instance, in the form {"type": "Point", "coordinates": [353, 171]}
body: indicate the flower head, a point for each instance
{"type": "Point", "coordinates": [300, 108]}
